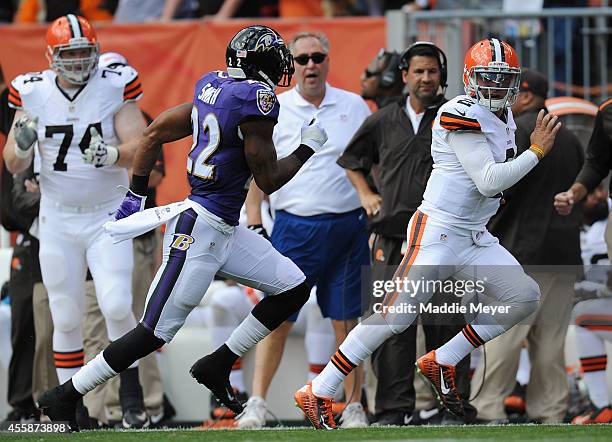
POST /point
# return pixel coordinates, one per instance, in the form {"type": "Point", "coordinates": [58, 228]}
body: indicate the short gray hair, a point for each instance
{"type": "Point", "coordinates": [318, 35]}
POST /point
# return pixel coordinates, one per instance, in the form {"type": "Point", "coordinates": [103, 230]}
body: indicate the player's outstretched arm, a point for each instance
{"type": "Point", "coordinates": [171, 125]}
{"type": "Point", "coordinates": [19, 147]}
{"type": "Point", "coordinates": [269, 173]}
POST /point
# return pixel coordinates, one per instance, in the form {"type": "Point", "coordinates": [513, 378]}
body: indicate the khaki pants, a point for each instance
{"type": "Point", "coordinates": [103, 402]}
{"type": "Point", "coordinates": [547, 393]}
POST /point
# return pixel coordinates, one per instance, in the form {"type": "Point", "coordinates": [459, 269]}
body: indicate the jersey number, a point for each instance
{"type": "Point", "coordinates": [196, 161]}
{"type": "Point", "coordinates": [68, 131]}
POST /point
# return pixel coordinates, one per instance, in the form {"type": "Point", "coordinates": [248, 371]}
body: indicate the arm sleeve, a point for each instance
{"type": "Point", "coordinates": [476, 158]}
{"type": "Point", "coordinates": [598, 162]}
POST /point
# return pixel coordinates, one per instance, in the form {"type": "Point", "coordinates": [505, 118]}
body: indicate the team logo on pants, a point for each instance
{"type": "Point", "coordinates": [182, 241]}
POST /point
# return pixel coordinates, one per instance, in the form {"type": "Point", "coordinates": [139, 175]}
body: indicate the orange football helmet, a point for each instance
{"type": "Point", "coordinates": [70, 33]}
{"type": "Point", "coordinates": [492, 74]}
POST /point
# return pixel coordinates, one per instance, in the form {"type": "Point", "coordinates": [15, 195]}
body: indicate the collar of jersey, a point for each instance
{"type": "Point", "coordinates": [329, 98]}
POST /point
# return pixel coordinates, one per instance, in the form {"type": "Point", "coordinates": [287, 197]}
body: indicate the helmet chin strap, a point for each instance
{"type": "Point", "coordinates": [267, 79]}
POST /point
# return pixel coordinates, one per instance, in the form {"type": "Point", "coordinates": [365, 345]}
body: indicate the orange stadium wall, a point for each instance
{"type": "Point", "coordinates": [171, 57]}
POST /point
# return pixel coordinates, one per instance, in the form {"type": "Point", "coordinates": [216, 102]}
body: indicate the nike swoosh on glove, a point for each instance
{"type": "Point", "coordinates": [131, 204]}
{"type": "Point", "coordinates": [313, 136]}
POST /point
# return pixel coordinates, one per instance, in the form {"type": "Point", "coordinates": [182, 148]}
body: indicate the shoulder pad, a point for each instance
{"type": "Point", "coordinates": [24, 85]}
{"type": "Point", "coordinates": [461, 113]}
{"type": "Point", "coordinates": [123, 77]}
{"type": "Point", "coordinates": [259, 94]}
{"type": "Point", "coordinates": [132, 90]}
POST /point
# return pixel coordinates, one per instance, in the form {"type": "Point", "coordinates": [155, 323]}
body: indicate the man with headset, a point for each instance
{"type": "Point", "coordinates": [394, 145]}
{"type": "Point", "coordinates": [381, 80]}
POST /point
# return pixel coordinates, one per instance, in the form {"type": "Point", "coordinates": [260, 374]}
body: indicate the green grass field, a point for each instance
{"type": "Point", "coordinates": [475, 433]}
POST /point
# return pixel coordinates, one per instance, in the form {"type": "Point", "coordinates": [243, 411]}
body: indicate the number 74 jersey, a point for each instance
{"type": "Point", "coordinates": [64, 123]}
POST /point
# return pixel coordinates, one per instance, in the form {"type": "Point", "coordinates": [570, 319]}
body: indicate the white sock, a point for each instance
{"type": "Point", "coordinates": [593, 360]}
{"type": "Point", "coordinates": [94, 373]}
{"type": "Point", "coordinates": [524, 368]}
{"type": "Point", "coordinates": [67, 363]}
{"type": "Point", "coordinates": [358, 345]}
{"type": "Point", "coordinates": [246, 335]}
{"type": "Point", "coordinates": [462, 344]}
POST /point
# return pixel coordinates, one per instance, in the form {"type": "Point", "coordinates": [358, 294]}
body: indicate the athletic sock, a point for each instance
{"type": "Point", "coordinates": [94, 373]}
{"type": "Point", "coordinates": [358, 345]}
{"type": "Point", "coordinates": [246, 335]}
{"type": "Point", "coordinates": [462, 344]}
{"type": "Point", "coordinates": [524, 368]}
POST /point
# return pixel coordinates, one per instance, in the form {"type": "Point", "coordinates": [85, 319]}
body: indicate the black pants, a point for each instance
{"type": "Point", "coordinates": [393, 362]}
{"type": "Point", "coordinates": [25, 271]}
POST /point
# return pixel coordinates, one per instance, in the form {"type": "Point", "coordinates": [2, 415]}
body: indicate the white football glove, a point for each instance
{"type": "Point", "coordinates": [99, 153]}
{"type": "Point", "coordinates": [25, 136]}
{"type": "Point", "coordinates": [313, 136]}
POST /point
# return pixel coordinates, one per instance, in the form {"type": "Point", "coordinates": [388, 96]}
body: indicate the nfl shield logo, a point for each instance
{"type": "Point", "coordinates": [265, 101]}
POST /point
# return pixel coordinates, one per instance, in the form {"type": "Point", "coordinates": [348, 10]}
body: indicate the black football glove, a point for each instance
{"type": "Point", "coordinates": [259, 229]}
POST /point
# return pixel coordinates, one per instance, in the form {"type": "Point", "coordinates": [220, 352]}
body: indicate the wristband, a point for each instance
{"type": "Point", "coordinates": [537, 150]}
{"type": "Point", "coordinates": [303, 152]}
{"type": "Point", "coordinates": [23, 154]}
{"type": "Point", "coordinates": [140, 184]}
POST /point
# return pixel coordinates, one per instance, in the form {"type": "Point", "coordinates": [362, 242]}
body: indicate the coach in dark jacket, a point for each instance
{"type": "Point", "coordinates": [394, 145]}
{"type": "Point", "coordinates": [528, 226]}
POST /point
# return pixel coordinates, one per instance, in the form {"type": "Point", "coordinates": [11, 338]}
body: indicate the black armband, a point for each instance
{"type": "Point", "coordinates": [140, 184]}
{"type": "Point", "coordinates": [303, 152]}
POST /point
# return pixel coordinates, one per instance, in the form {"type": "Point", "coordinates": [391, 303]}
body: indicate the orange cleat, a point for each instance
{"type": "Point", "coordinates": [442, 380]}
{"type": "Point", "coordinates": [594, 416]}
{"type": "Point", "coordinates": [318, 410]}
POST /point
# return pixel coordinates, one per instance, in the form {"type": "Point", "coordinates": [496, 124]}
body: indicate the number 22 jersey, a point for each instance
{"type": "Point", "coordinates": [216, 166]}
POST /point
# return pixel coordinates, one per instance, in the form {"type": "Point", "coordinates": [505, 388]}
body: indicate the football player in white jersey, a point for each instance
{"type": "Point", "coordinates": [593, 315]}
{"type": "Point", "coordinates": [472, 143]}
{"type": "Point", "coordinates": [83, 119]}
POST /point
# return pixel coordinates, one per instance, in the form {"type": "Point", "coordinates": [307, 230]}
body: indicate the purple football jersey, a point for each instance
{"type": "Point", "coordinates": [216, 166]}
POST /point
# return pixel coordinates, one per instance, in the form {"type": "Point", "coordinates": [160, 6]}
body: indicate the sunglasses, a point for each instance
{"type": "Point", "coordinates": [317, 58]}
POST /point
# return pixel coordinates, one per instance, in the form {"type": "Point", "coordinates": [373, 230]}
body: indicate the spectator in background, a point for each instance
{"type": "Point", "coordinates": [381, 81]}
{"type": "Point", "coordinates": [141, 11]}
{"type": "Point", "coordinates": [536, 235]}
{"type": "Point", "coordinates": [319, 222]}
{"type": "Point", "coordinates": [225, 9]}
{"type": "Point", "coordinates": [395, 145]}
{"type": "Point", "coordinates": [33, 11]}
{"type": "Point", "coordinates": [8, 8]}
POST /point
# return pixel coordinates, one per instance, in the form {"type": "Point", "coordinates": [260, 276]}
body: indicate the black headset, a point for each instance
{"type": "Point", "coordinates": [409, 53]}
{"type": "Point", "coordinates": [390, 75]}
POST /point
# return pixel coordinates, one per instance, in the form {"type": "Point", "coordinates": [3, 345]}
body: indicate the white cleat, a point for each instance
{"type": "Point", "coordinates": [254, 415]}
{"type": "Point", "coordinates": [354, 416]}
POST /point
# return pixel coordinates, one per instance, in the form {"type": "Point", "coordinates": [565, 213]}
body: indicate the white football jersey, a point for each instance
{"type": "Point", "coordinates": [64, 131]}
{"type": "Point", "coordinates": [451, 196]}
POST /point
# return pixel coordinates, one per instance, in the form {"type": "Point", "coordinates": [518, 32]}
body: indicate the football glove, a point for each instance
{"type": "Point", "coordinates": [99, 153]}
{"type": "Point", "coordinates": [131, 204]}
{"type": "Point", "coordinates": [313, 136]}
{"type": "Point", "coordinates": [260, 230]}
{"type": "Point", "coordinates": [25, 136]}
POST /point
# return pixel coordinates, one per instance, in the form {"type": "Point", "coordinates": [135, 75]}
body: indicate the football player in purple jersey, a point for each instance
{"type": "Point", "coordinates": [231, 119]}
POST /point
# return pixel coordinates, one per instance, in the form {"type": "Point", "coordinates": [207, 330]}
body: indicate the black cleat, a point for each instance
{"type": "Point", "coordinates": [55, 404]}
{"type": "Point", "coordinates": [214, 377]}
{"type": "Point", "coordinates": [135, 418]}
